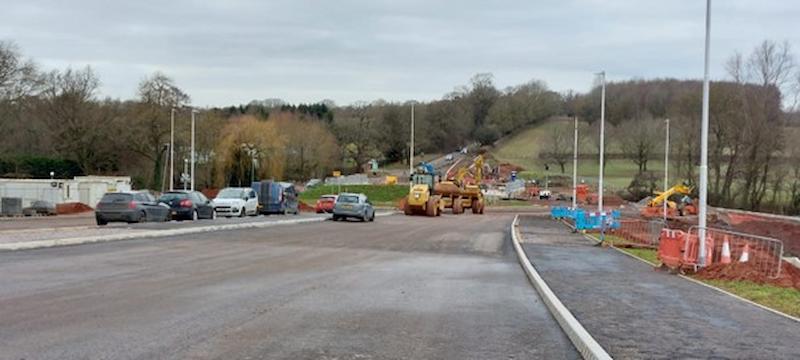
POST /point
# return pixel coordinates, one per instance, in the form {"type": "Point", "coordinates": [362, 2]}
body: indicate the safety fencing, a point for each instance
{"type": "Point", "coordinates": [642, 233]}
{"type": "Point", "coordinates": [588, 220]}
{"type": "Point", "coordinates": [765, 254]}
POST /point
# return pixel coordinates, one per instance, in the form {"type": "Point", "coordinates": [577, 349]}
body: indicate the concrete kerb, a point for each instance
{"type": "Point", "coordinates": [37, 244]}
{"type": "Point", "coordinates": [580, 338]}
{"type": "Point", "coordinates": [776, 312]}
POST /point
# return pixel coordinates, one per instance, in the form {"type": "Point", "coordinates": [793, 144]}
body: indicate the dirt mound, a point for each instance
{"type": "Point", "coordinates": [305, 207]}
{"type": "Point", "coordinates": [210, 192]}
{"type": "Point", "coordinates": [72, 208]}
{"type": "Point", "coordinates": [504, 170]}
{"type": "Point", "coordinates": [784, 230]}
{"type": "Point", "coordinates": [790, 275]}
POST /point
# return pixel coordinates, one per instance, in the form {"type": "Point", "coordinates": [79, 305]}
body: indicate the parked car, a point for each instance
{"type": "Point", "coordinates": [276, 197]}
{"type": "Point", "coordinates": [353, 206]}
{"type": "Point", "coordinates": [130, 207]}
{"type": "Point", "coordinates": [40, 207]}
{"type": "Point", "coordinates": [236, 201]}
{"type": "Point", "coordinates": [188, 205]}
{"type": "Point", "coordinates": [325, 204]}
{"type": "Point", "coordinates": [545, 194]}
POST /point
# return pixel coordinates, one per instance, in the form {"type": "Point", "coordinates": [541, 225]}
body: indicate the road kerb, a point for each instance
{"type": "Point", "coordinates": [580, 338]}
{"type": "Point", "coordinates": [38, 244]}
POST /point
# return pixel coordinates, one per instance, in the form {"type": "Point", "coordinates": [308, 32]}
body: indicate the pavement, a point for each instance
{"type": "Point", "coordinates": [401, 287]}
{"type": "Point", "coordinates": [635, 312]}
{"type": "Point", "coordinates": [57, 228]}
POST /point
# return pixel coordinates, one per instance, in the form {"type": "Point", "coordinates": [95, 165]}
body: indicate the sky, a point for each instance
{"type": "Point", "coordinates": [231, 52]}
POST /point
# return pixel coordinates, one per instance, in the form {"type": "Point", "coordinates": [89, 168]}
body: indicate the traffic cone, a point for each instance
{"type": "Point", "coordinates": [726, 252]}
{"type": "Point", "coordinates": [745, 254]}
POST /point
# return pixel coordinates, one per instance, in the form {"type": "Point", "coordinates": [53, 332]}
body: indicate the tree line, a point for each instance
{"type": "Point", "coordinates": [60, 115]}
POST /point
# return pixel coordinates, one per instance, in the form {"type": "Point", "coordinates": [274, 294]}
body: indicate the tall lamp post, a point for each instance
{"type": "Point", "coordinates": [411, 150]}
{"type": "Point", "coordinates": [666, 167]}
{"type": "Point", "coordinates": [172, 149]}
{"type": "Point", "coordinates": [192, 155]}
{"type": "Point", "coordinates": [602, 140]}
{"type": "Point", "coordinates": [704, 147]}
{"type": "Point", "coordinates": [575, 168]}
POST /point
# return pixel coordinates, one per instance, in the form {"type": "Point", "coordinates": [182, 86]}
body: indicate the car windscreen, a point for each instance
{"type": "Point", "coordinates": [167, 197]}
{"type": "Point", "coordinates": [327, 198]}
{"type": "Point", "coordinates": [230, 194]}
{"type": "Point", "coordinates": [116, 197]}
{"type": "Point", "coordinates": [348, 199]}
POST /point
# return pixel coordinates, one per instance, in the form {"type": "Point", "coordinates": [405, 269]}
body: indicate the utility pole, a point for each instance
{"type": "Point", "coordinates": [193, 156]}
{"type": "Point", "coordinates": [666, 168]}
{"type": "Point", "coordinates": [411, 150]}
{"type": "Point", "coordinates": [172, 149]}
{"type": "Point", "coordinates": [602, 140]}
{"type": "Point", "coordinates": [575, 168]}
{"type": "Point", "coordinates": [704, 147]}
{"type": "Point", "coordinates": [185, 173]}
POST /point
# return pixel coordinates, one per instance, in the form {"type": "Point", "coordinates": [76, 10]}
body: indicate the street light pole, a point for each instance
{"type": "Point", "coordinates": [666, 168]}
{"type": "Point", "coordinates": [411, 150]}
{"type": "Point", "coordinates": [704, 146]}
{"type": "Point", "coordinates": [172, 149]}
{"type": "Point", "coordinates": [602, 140]}
{"type": "Point", "coordinates": [193, 156]}
{"type": "Point", "coordinates": [575, 168]}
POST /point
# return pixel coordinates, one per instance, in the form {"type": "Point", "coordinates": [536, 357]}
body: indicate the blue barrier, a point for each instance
{"type": "Point", "coordinates": [587, 220]}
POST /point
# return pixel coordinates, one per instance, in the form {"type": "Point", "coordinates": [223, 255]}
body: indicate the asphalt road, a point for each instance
{"type": "Point", "coordinates": [402, 287]}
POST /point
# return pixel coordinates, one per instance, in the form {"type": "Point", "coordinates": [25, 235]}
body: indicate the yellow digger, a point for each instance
{"type": "Point", "coordinates": [684, 207]}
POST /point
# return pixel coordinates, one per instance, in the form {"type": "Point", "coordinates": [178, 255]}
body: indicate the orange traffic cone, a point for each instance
{"type": "Point", "coordinates": [726, 251]}
{"type": "Point", "coordinates": [745, 254]}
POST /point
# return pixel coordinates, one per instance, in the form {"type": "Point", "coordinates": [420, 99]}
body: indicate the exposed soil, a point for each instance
{"type": "Point", "coordinates": [72, 208]}
{"type": "Point", "coordinates": [784, 230]}
{"type": "Point", "coordinates": [790, 275]}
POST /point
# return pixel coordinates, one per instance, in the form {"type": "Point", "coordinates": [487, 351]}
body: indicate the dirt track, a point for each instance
{"type": "Point", "coordinates": [398, 288]}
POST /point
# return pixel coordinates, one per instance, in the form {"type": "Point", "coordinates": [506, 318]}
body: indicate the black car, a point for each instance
{"type": "Point", "coordinates": [130, 207]}
{"type": "Point", "coordinates": [188, 205]}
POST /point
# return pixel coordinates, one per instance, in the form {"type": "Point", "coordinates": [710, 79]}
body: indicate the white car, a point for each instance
{"type": "Point", "coordinates": [236, 202]}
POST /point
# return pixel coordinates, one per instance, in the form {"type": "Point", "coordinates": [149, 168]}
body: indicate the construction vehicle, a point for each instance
{"type": "Point", "coordinates": [429, 195]}
{"type": "Point", "coordinates": [421, 199]}
{"type": "Point", "coordinates": [462, 191]}
{"type": "Point", "coordinates": [683, 206]}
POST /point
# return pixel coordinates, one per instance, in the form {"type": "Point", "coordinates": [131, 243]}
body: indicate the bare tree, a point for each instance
{"type": "Point", "coordinates": [558, 145]}
{"type": "Point", "coordinates": [158, 94]}
{"type": "Point", "coordinates": [638, 139]}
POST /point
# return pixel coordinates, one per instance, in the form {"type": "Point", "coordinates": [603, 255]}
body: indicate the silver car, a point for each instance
{"type": "Point", "coordinates": [353, 206]}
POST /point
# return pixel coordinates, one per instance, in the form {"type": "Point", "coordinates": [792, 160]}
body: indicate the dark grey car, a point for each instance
{"type": "Point", "coordinates": [353, 206]}
{"type": "Point", "coordinates": [130, 207]}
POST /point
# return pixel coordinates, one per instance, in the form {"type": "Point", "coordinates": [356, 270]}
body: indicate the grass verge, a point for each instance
{"type": "Point", "coordinates": [785, 300]}
{"type": "Point", "coordinates": [382, 195]}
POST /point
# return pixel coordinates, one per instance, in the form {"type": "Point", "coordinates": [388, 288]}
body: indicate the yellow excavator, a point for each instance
{"type": "Point", "coordinates": [655, 205]}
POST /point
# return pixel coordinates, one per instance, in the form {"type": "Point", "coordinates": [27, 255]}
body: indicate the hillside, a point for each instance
{"type": "Point", "coordinates": [524, 149]}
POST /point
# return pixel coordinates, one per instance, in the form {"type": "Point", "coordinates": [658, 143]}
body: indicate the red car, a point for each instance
{"type": "Point", "coordinates": [325, 204]}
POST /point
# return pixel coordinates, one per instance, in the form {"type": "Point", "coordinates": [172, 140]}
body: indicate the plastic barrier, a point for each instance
{"type": "Point", "coordinates": [670, 247]}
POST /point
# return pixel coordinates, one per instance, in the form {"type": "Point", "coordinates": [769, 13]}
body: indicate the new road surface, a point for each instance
{"type": "Point", "coordinates": [398, 288]}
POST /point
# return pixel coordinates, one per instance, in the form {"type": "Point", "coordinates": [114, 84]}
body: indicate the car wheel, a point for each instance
{"type": "Point", "coordinates": [101, 222]}
{"type": "Point", "coordinates": [242, 213]}
{"type": "Point", "coordinates": [335, 218]}
{"type": "Point", "coordinates": [372, 218]}
{"type": "Point", "coordinates": [195, 216]}
{"type": "Point", "coordinates": [142, 217]}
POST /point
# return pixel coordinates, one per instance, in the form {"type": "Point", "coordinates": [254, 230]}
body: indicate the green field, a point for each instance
{"type": "Point", "coordinates": [383, 195]}
{"type": "Point", "coordinates": [523, 149]}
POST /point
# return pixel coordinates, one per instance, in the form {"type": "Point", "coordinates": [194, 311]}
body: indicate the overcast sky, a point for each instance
{"type": "Point", "coordinates": [233, 51]}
